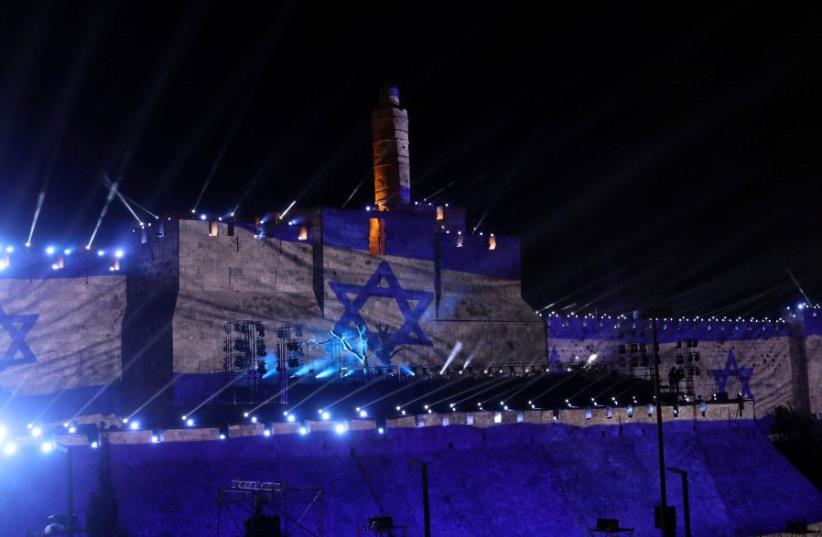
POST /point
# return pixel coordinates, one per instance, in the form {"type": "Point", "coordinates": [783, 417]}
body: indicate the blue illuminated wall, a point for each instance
{"type": "Point", "coordinates": [518, 480]}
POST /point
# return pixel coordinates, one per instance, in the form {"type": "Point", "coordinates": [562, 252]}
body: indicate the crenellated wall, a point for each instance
{"type": "Point", "coordinates": [320, 273]}
{"type": "Point", "coordinates": [60, 333]}
{"type": "Point", "coordinates": [512, 479]}
{"type": "Point", "coordinates": [773, 363]}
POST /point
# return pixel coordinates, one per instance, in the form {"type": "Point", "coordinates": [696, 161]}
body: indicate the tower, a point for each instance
{"type": "Point", "coordinates": [389, 142]}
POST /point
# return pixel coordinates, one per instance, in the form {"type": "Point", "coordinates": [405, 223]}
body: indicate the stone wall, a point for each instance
{"type": "Point", "coordinates": [518, 480]}
{"type": "Point", "coordinates": [277, 280]}
{"type": "Point", "coordinates": [813, 355]}
{"type": "Point", "coordinates": [772, 363]}
{"type": "Point", "coordinates": [60, 333]}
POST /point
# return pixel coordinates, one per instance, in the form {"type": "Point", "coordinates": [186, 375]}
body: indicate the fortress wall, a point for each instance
{"type": "Point", "coordinates": [733, 356]}
{"type": "Point", "coordinates": [482, 315]}
{"type": "Point", "coordinates": [517, 480]}
{"type": "Point", "coordinates": [226, 278]}
{"type": "Point", "coordinates": [60, 333]}
{"type": "Point", "coordinates": [813, 354]}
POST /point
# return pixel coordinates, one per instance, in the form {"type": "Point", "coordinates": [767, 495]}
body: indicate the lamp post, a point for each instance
{"type": "Point", "coordinates": [69, 488]}
{"type": "Point", "coordinates": [426, 510]}
{"type": "Point", "coordinates": [664, 524]}
{"type": "Point", "coordinates": [686, 507]}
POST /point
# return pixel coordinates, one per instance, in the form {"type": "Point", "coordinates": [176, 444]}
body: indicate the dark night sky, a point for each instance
{"type": "Point", "coordinates": [644, 155]}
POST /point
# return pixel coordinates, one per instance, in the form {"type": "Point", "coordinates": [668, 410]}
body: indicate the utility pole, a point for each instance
{"type": "Point", "coordinates": [663, 491]}
{"type": "Point", "coordinates": [663, 523]}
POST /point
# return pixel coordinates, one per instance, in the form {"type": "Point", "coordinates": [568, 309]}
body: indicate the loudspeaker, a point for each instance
{"type": "Point", "coordinates": [263, 526]}
{"type": "Point", "coordinates": [670, 520]}
{"type": "Point", "coordinates": [381, 522]}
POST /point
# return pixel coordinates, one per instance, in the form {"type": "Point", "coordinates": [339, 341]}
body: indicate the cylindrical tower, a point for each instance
{"type": "Point", "coordinates": [389, 142]}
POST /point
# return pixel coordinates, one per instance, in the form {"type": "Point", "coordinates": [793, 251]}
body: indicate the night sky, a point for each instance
{"type": "Point", "coordinates": [645, 156]}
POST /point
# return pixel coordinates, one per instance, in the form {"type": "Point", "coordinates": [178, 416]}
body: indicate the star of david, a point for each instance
{"type": "Point", "coordinates": [732, 369]}
{"type": "Point", "coordinates": [410, 333]}
{"type": "Point", "coordinates": [17, 327]}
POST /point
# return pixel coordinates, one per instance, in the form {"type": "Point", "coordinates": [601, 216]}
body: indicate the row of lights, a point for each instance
{"type": "Point", "coordinates": [695, 319]}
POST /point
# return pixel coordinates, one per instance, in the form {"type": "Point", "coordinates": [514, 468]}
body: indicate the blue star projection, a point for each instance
{"type": "Point", "coordinates": [732, 369]}
{"type": "Point", "coordinates": [17, 327]}
{"type": "Point", "coordinates": [410, 333]}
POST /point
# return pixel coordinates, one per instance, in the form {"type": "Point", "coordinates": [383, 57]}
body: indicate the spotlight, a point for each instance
{"type": "Point", "coordinates": [101, 253]}
{"type": "Point", "coordinates": [290, 418]}
{"type": "Point", "coordinates": [222, 436]}
{"type": "Point", "coordinates": [28, 245]}
{"type": "Point", "coordinates": [398, 409]}
{"type": "Point", "coordinates": [118, 254]}
{"type": "Point", "coordinates": [9, 249]}
{"type": "Point", "coordinates": [340, 428]}
{"type": "Point", "coordinates": [381, 430]}
{"type": "Point", "coordinates": [363, 413]}
{"type": "Point", "coordinates": [403, 412]}
{"type": "Point", "coordinates": [190, 422]}
{"type": "Point", "coordinates": [326, 415]}
{"type": "Point", "coordinates": [267, 433]}
{"type": "Point", "coordinates": [67, 251]}
{"type": "Point", "coordinates": [72, 429]}
{"type": "Point", "coordinates": [303, 431]}
{"type": "Point", "coordinates": [47, 447]}
{"type": "Point", "coordinates": [245, 414]}
{"type": "Point", "coordinates": [9, 449]}
{"type": "Point", "coordinates": [134, 425]}
{"type": "Point", "coordinates": [155, 439]}
{"type": "Point", "coordinates": [36, 431]}
{"type": "Point", "coordinates": [203, 217]}
{"type": "Point", "coordinates": [50, 250]}
{"type": "Point", "coordinates": [253, 419]}
{"type": "Point", "coordinates": [183, 417]}
{"type": "Point", "coordinates": [95, 445]}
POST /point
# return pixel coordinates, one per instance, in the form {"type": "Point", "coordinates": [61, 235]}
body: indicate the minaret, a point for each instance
{"type": "Point", "coordinates": [389, 142]}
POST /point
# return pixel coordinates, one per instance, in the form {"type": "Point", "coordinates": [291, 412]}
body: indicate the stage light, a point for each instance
{"type": "Point", "coordinates": [101, 253]}
{"type": "Point", "coordinates": [95, 445]}
{"type": "Point", "coordinates": [50, 250]}
{"type": "Point", "coordinates": [67, 251]}
{"type": "Point", "coordinates": [290, 418]}
{"type": "Point", "coordinates": [326, 415]}
{"type": "Point", "coordinates": [497, 418]}
{"type": "Point", "coordinates": [245, 414]}
{"type": "Point", "coordinates": [134, 425]}
{"type": "Point", "coordinates": [399, 408]}
{"type": "Point", "coordinates": [155, 439]}
{"type": "Point", "coordinates": [183, 417]}
{"type": "Point", "coordinates": [47, 447]}
{"type": "Point", "coordinates": [381, 430]}
{"type": "Point", "coordinates": [118, 254]}
{"type": "Point", "coordinates": [36, 431]}
{"type": "Point", "coordinates": [222, 436]}
{"type": "Point", "coordinates": [28, 245]}
{"type": "Point", "coordinates": [303, 431]}
{"type": "Point", "coordinates": [125, 420]}
{"type": "Point", "coordinates": [193, 211]}
{"type": "Point", "coordinates": [403, 412]}
{"type": "Point", "coordinates": [190, 422]}
{"type": "Point", "coordinates": [363, 413]}
{"type": "Point", "coordinates": [72, 429]}
{"type": "Point", "coordinates": [340, 428]}
{"type": "Point", "coordinates": [9, 449]}
{"type": "Point", "coordinates": [9, 249]}
{"type": "Point", "coordinates": [267, 433]}
{"type": "Point", "coordinates": [253, 419]}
